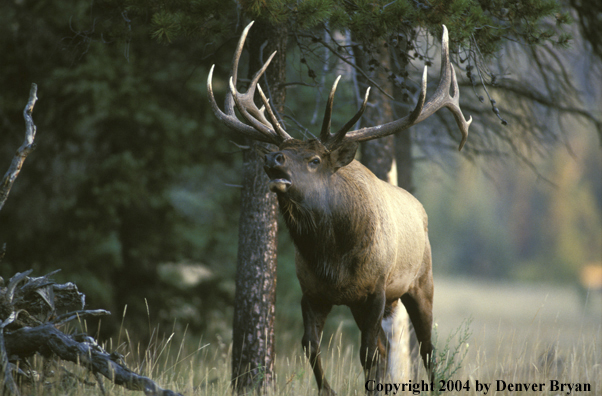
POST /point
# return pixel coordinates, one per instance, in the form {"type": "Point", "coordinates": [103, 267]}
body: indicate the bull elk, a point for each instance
{"type": "Point", "coordinates": [360, 242]}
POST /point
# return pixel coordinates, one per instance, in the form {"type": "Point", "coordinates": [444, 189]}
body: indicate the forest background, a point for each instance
{"type": "Point", "coordinates": [133, 188]}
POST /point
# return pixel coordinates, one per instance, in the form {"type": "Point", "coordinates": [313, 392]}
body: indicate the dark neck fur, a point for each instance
{"type": "Point", "coordinates": [330, 233]}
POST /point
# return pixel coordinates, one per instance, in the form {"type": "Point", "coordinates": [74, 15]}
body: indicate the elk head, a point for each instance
{"type": "Point", "coordinates": [325, 155]}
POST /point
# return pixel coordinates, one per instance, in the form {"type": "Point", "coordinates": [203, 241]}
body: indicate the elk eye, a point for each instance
{"type": "Point", "coordinates": [315, 161]}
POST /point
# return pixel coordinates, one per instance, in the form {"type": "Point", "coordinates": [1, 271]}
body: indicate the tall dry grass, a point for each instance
{"type": "Point", "coordinates": [519, 334]}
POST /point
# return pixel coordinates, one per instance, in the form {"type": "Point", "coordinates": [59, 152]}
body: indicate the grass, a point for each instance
{"type": "Point", "coordinates": [449, 357]}
{"type": "Point", "coordinates": [519, 334]}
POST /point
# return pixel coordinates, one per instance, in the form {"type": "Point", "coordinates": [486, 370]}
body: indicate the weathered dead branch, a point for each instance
{"type": "Point", "coordinates": [23, 151]}
{"type": "Point", "coordinates": [30, 311]}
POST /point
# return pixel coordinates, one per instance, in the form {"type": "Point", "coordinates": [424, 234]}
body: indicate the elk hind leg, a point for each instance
{"type": "Point", "coordinates": [419, 304]}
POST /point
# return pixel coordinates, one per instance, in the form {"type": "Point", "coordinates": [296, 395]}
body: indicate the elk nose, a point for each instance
{"type": "Point", "coordinates": [275, 159]}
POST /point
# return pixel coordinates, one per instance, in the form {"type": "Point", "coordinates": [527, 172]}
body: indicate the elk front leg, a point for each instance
{"type": "Point", "coordinates": [368, 315]}
{"type": "Point", "coordinates": [314, 316]}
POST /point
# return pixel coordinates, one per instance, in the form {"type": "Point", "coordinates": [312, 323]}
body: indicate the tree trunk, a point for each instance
{"type": "Point", "coordinates": [403, 141]}
{"type": "Point", "coordinates": [404, 161]}
{"type": "Point", "coordinates": [378, 156]}
{"type": "Point", "coordinates": [254, 305]}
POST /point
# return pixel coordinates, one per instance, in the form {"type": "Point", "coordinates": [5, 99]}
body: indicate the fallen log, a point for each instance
{"type": "Point", "coordinates": [29, 320]}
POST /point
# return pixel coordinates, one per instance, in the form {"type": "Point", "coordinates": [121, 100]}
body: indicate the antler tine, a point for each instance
{"type": "Point", "coordinates": [421, 97]}
{"type": "Point", "coordinates": [246, 105]}
{"type": "Point", "coordinates": [325, 132]}
{"type": "Point", "coordinates": [260, 128]}
{"type": "Point", "coordinates": [229, 118]}
{"type": "Point", "coordinates": [238, 53]}
{"type": "Point", "coordinates": [463, 124]}
{"type": "Point", "coordinates": [229, 102]}
{"type": "Point", "coordinates": [245, 100]}
{"type": "Point", "coordinates": [340, 135]}
{"type": "Point", "coordinates": [447, 95]}
{"type": "Point", "coordinates": [266, 104]}
{"type": "Point", "coordinates": [241, 102]}
{"type": "Point", "coordinates": [448, 92]}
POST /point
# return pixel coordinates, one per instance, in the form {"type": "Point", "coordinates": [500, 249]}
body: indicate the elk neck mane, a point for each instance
{"type": "Point", "coordinates": [333, 229]}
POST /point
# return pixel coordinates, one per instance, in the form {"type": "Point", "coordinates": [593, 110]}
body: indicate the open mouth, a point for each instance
{"type": "Point", "coordinates": [279, 180]}
{"type": "Point", "coordinates": [279, 185]}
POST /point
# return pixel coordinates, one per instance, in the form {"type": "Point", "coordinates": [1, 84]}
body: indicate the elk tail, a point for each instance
{"type": "Point", "coordinates": [396, 328]}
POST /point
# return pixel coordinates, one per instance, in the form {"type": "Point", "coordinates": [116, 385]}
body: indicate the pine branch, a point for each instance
{"type": "Point", "coordinates": [335, 52]}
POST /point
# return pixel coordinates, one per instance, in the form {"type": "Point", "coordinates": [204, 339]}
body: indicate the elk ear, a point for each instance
{"type": "Point", "coordinates": [343, 154]}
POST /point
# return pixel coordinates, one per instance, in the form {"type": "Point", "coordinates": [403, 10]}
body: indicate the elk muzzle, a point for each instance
{"type": "Point", "coordinates": [274, 166]}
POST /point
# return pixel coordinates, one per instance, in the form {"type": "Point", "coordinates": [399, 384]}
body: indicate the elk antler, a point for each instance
{"type": "Point", "coordinates": [260, 129]}
{"type": "Point", "coordinates": [326, 137]}
{"type": "Point", "coordinates": [446, 95]}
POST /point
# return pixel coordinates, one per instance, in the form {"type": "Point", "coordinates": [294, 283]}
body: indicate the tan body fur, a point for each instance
{"type": "Point", "coordinates": [360, 242]}
{"type": "Point", "coordinates": [399, 246]}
